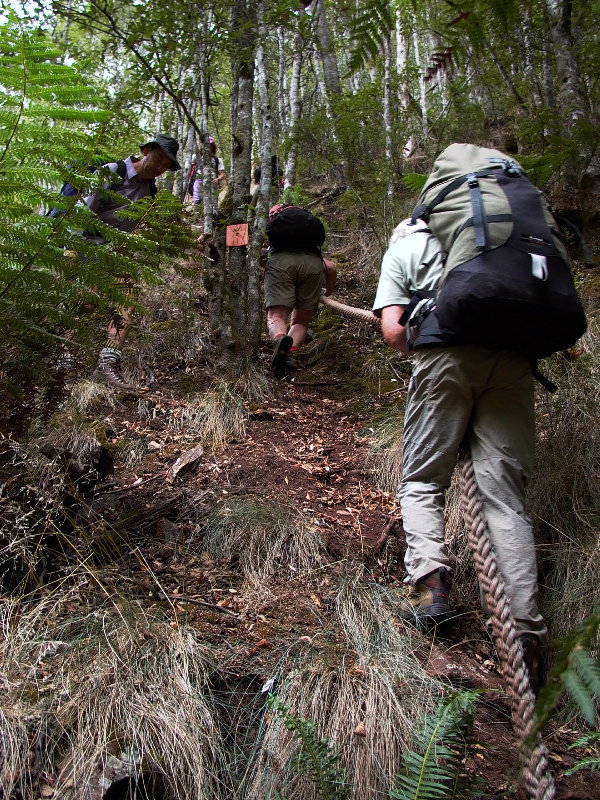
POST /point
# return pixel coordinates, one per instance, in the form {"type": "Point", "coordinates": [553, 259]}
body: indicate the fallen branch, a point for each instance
{"type": "Point", "coordinates": [180, 598]}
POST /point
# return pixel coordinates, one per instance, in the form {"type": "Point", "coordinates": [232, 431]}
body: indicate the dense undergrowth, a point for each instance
{"type": "Point", "coordinates": [100, 684]}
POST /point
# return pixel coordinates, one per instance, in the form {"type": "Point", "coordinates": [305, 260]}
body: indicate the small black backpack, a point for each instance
{"type": "Point", "coordinates": [297, 230]}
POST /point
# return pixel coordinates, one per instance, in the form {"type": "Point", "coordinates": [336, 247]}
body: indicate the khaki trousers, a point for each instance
{"type": "Point", "coordinates": [484, 397]}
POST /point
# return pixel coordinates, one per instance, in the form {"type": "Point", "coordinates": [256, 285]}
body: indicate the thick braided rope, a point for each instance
{"type": "Point", "coordinates": [362, 314]}
{"type": "Point", "coordinates": [537, 777]}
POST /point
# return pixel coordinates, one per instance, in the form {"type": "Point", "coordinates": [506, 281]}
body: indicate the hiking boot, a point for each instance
{"type": "Point", "coordinates": [109, 370]}
{"type": "Point", "coordinates": [427, 602]}
{"type": "Point", "coordinates": [280, 355]}
{"type": "Point", "coordinates": [535, 661]}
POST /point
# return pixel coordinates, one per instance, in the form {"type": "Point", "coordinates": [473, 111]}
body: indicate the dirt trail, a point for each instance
{"type": "Point", "coordinates": [306, 449]}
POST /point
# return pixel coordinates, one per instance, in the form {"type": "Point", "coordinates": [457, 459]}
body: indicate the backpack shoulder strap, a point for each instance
{"type": "Point", "coordinates": [415, 299]}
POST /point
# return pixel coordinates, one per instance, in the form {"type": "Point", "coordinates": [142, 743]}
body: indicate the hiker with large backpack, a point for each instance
{"type": "Point", "coordinates": [134, 179]}
{"type": "Point", "coordinates": [295, 275]}
{"type": "Point", "coordinates": [476, 305]}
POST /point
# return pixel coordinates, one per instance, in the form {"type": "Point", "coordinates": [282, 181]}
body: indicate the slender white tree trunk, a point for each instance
{"type": "Point", "coordinates": [283, 93]}
{"type": "Point", "coordinates": [401, 66]}
{"type": "Point", "coordinates": [331, 74]}
{"type": "Point", "coordinates": [263, 200]}
{"type": "Point", "coordinates": [422, 83]}
{"type": "Point", "coordinates": [387, 119]}
{"type": "Point", "coordinates": [295, 110]}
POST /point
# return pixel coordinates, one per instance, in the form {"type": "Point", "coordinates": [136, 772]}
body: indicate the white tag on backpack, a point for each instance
{"type": "Point", "coordinates": [539, 267]}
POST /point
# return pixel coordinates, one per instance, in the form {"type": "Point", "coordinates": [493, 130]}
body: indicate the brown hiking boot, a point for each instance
{"type": "Point", "coordinates": [280, 355]}
{"type": "Point", "coordinates": [427, 602]}
{"type": "Point", "coordinates": [109, 370]}
{"type": "Point", "coordinates": [535, 660]}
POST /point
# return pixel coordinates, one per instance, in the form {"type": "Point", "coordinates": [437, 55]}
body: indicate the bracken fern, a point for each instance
{"type": "Point", "coordinates": [434, 768]}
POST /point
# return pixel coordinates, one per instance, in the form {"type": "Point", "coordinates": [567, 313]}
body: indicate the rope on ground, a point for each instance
{"type": "Point", "coordinates": [537, 777]}
{"type": "Point", "coordinates": [362, 314]}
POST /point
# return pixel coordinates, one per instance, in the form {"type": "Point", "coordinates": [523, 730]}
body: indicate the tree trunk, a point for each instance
{"type": "Point", "coordinates": [295, 110]}
{"type": "Point", "coordinates": [583, 169]}
{"type": "Point", "coordinates": [254, 322]}
{"type": "Point", "coordinates": [236, 337]}
{"type": "Point", "coordinates": [403, 94]}
{"type": "Point", "coordinates": [422, 86]}
{"type": "Point", "coordinates": [387, 120]}
{"type": "Point", "coordinates": [283, 93]}
{"type": "Point", "coordinates": [331, 74]}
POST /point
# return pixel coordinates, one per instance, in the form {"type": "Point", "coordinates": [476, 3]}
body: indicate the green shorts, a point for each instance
{"type": "Point", "coordinates": [294, 280]}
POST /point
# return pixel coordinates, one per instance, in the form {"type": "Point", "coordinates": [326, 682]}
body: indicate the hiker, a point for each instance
{"type": "Point", "coordinates": [159, 154]}
{"type": "Point", "coordinates": [218, 175]}
{"type": "Point", "coordinates": [276, 181]}
{"type": "Point", "coordinates": [459, 392]}
{"type": "Point", "coordinates": [295, 275]}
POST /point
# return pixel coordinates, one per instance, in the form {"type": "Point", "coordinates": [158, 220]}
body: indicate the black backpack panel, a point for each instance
{"type": "Point", "coordinates": [296, 229]}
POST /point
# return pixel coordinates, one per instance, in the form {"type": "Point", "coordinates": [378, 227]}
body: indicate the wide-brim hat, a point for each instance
{"type": "Point", "coordinates": [169, 146]}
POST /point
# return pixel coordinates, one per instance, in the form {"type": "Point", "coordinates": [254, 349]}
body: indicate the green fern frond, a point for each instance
{"type": "Point", "coordinates": [369, 27]}
{"type": "Point", "coordinates": [575, 671]}
{"type": "Point", "coordinates": [316, 759]}
{"type": "Point", "coordinates": [592, 762]}
{"type": "Point", "coordinates": [541, 168]}
{"type": "Point", "coordinates": [414, 181]}
{"type": "Point", "coordinates": [434, 767]}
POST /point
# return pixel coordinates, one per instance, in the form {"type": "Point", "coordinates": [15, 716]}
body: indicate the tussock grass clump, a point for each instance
{"type": "Point", "coordinates": [263, 538]}
{"type": "Point", "coordinates": [366, 695]}
{"type": "Point", "coordinates": [253, 384]}
{"type": "Point", "coordinates": [34, 488]}
{"type": "Point", "coordinates": [88, 395]}
{"type": "Point", "coordinates": [82, 687]}
{"type": "Point", "coordinates": [564, 497]}
{"type": "Point", "coordinates": [215, 417]}
{"type": "Point", "coordinates": [384, 457]}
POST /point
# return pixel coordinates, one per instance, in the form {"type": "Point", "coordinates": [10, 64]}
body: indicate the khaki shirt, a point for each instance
{"type": "Point", "coordinates": [408, 265]}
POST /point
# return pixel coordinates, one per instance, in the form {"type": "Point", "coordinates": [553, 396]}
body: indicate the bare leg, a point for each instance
{"type": "Point", "coordinates": [299, 323]}
{"type": "Point", "coordinates": [109, 362]}
{"type": "Point", "coordinates": [277, 321]}
{"type": "Point", "coordinates": [118, 327]}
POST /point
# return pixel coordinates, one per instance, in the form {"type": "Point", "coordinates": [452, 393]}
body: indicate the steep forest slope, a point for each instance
{"type": "Point", "coordinates": [172, 560]}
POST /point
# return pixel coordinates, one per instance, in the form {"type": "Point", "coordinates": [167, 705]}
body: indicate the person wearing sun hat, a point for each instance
{"type": "Point", "coordinates": [138, 176]}
{"type": "Point", "coordinates": [168, 145]}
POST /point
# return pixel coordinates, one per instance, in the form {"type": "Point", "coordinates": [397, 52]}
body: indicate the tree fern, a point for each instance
{"type": "Point", "coordinates": [55, 284]}
{"type": "Point", "coordinates": [316, 759]}
{"type": "Point", "coordinates": [372, 22]}
{"type": "Point", "coordinates": [434, 767]}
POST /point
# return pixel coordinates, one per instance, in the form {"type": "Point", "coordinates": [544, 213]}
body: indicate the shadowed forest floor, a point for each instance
{"type": "Point", "coordinates": [258, 540]}
{"type": "Point", "coordinates": [306, 448]}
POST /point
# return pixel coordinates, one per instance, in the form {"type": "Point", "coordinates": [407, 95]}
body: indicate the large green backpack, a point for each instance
{"type": "Point", "coordinates": [506, 280]}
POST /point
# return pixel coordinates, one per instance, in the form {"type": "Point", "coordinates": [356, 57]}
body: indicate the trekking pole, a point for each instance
{"type": "Point", "coordinates": [537, 777]}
